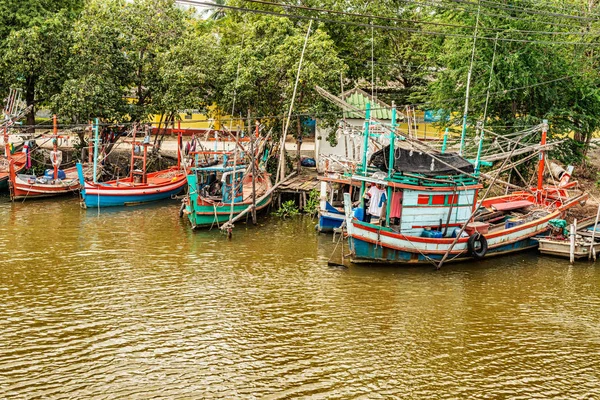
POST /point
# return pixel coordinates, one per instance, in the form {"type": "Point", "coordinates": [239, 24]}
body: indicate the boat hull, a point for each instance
{"type": "Point", "coordinates": [365, 252]}
{"type": "Point", "coordinates": [203, 216]}
{"type": "Point", "coordinates": [329, 221]}
{"type": "Point", "coordinates": [21, 188]}
{"type": "Point", "coordinates": [115, 194]}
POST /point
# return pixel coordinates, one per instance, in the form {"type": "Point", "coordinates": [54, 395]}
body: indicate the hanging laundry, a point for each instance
{"type": "Point", "coordinates": [396, 205]}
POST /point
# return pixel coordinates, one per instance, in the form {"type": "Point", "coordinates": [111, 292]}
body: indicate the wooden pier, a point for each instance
{"type": "Point", "coordinates": [299, 186]}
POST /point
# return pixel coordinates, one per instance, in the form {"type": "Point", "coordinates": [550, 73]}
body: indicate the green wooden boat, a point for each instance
{"type": "Point", "coordinates": [212, 190]}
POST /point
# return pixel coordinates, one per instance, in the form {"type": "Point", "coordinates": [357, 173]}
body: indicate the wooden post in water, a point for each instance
{"type": "Point", "coordinates": [252, 151]}
{"type": "Point", "coordinates": [594, 235]}
{"type": "Point", "coordinates": [572, 233]}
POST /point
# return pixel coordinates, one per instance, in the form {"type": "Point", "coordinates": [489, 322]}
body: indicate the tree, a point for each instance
{"type": "Point", "coordinates": [34, 39]}
{"type": "Point", "coordinates": [536, 75]}
{"type": "Point", "coordinates": [115, 71]}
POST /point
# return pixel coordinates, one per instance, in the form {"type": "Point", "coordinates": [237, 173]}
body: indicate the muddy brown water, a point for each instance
{"type": "Point", "coordinates": [133, 304]}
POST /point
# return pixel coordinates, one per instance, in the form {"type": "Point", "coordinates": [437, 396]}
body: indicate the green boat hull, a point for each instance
{"type": "Point", "coordinates": [207, 216]}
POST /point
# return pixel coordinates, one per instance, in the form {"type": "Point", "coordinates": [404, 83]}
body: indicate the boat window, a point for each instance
{"type": "Point", "coordinates": [438, 199]}
{"type": "Point", "coordinates": [452, 199]}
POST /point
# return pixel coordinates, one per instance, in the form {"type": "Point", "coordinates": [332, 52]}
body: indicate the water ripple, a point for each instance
{"type": "Point", "coordinates": [132, 305]}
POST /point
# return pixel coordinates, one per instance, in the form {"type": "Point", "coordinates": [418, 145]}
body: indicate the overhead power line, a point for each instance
{"type": "Point", "coordinates": [395, 19]}
{"type": "Point", "coordinates": [384, 27]}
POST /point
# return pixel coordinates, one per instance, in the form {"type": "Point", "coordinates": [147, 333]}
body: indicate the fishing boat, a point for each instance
{"type": "Point", "coordinates": [424, 207]}
{"type": "Point", "coordinates": [217, 194]}
{"type": "Point", "coordinates": [581, 240]}
{"type": "Point", "coordinates": [54, 182]}
{"type": "Point", "coordinates": [331, 204]}
{"type": "Point", "coordinates": [138, 187]}
{"type": "Point", "coordinates": [221, 193]}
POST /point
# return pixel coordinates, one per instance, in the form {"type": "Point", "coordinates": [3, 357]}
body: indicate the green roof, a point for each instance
{"type": "Point", "coordinates": [359, 99]}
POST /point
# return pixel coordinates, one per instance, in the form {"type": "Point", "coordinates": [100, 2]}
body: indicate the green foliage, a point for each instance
{"type": "Point", "coordinates": [132, 59]}
{"type": "Point", "coordinates": [34, 42]}
{"type": "Point", "coordinates": [267, 50]}
{"type": "Point", "coordinates": [127, 59]}
{"type": "Point", "coordinates": [312, 203]}
{"type": "Point", "coordinates": [287, 209]}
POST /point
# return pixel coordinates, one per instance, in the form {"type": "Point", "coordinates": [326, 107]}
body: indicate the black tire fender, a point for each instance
{"type": "Point", "coordinates": [477, 251]}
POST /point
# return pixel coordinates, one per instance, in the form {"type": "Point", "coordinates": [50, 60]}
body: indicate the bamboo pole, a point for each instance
{"type": "Point", "coordinates": [464, 125]}
{"type": "Point", "coordinates": [572, 241]}
{"type": "Point", "coordinates": [229, 224]}
{"type": "Point", "coordinates": [287, 124]}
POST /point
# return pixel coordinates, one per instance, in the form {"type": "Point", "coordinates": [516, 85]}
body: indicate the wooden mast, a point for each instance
{"type": "Point", "coordinates": [542, 161]}
{"type": "Point", "coordinates": [55, 147]}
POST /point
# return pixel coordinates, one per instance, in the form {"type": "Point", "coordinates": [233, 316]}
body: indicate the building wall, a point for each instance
{"type": "Point", "coordinates": [199, 120]}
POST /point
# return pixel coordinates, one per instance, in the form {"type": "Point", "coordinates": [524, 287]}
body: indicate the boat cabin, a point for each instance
{"type": "Point", "coordinates": [219, 183]}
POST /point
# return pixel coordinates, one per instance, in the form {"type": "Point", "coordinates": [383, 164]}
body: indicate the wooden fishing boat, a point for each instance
{"type": "Point", "coordinates": [331, 211]}
{"type": "Point", "coordinates": [32, 187]}
{"type": "Point", "coordinates": [130, 191]}
{"type": "Point", "coordinates": [18, 160]}
{"type": "Point", "coordinates": [585, 242]}
{"type": "Point", "coordinates": [218, 193]}
{"type": "Point", "coordinates": [54, 182]}
{"type": "Point", "coordinates": [137, 188]}
{"type": "Point", "coordinates": [431, 213]}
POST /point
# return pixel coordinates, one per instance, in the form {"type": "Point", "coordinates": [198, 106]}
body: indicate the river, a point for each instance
{"type": "Point", "coordinates": [131, 303]}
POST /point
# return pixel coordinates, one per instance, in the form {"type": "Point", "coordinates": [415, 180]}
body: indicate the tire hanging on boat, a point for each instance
{"type": "Point", "coordinates": [474, 250]}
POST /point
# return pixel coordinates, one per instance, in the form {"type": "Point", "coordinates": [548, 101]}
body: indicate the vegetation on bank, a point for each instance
{"type": "Point", "coordinates": [125, 60]}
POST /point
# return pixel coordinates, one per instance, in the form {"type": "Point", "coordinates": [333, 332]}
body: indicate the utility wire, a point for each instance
{"type": "Point", "coordinates": [372, 16]}
{"type": "Point", "coordinates": [383, 27]}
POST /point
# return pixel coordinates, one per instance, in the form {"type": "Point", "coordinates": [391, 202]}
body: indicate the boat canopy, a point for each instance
{"type": "Point", "coordinates": [419, 162]}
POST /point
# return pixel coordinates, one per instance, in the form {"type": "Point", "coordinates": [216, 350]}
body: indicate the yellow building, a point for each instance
{"type": "Point", "coordinates": [200, 121]}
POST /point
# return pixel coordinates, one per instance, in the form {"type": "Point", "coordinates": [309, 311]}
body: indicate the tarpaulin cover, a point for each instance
{"type": "Point", "coordinates": [417, 162]}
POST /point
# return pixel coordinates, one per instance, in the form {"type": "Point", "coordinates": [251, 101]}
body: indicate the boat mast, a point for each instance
{"type": "Point", "coordinates": [55, 147]}
{"type": "Point", "coordinates": [289, 116]}
{"type": "Point", "coordinates": [464, 126]}
{"type": "Point", "coordinates": [542, 156]}
{"type": "Point", "coordinates": [365, 148]}
{"type": "Point", "coordinates": [95, 150]}
{"type": "Point", "coordinates": [391, 165]}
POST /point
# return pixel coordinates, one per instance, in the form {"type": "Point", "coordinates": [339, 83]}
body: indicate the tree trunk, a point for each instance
{"type": "Point", "coordinates": [30, 100]}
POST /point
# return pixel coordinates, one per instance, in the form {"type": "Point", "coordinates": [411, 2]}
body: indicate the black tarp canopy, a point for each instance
{"type": "Point", "coordinates": [419, 162]}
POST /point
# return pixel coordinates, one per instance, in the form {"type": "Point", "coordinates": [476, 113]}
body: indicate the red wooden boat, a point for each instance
{"type": "Point", "coordinates": [139, 187]}
{"type": "Point", "coordinates": [54, 182]}
{"type": "Point", "coordinates": [31, 186]}
{"type": "Point", "coordinates": [18, 163]}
